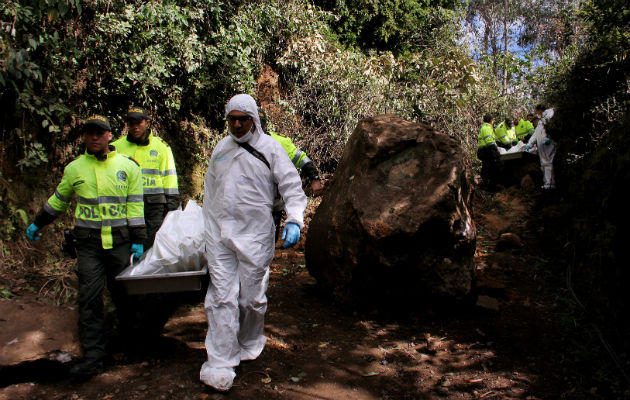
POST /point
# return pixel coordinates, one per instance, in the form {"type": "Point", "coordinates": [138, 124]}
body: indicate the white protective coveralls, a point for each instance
{"type": "Point", "coordinates": [546, 151]}
{"type": "Point", "coordinates": [239, 234]}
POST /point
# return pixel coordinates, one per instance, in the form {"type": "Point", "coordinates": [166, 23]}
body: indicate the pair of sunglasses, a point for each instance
{"type": "Point", "coordinates": [242, 118]}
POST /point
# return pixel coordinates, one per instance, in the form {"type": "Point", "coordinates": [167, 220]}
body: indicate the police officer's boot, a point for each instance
{"type": "Point", "coordinates": [87, 368]}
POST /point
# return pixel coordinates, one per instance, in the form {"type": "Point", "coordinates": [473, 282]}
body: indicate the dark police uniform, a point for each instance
{"type": "Point", "coordinates": [159, 177]}
{"type": "Point", "coordinates": [108, 217]}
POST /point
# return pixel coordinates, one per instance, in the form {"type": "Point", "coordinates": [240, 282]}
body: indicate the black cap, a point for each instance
{"type": "Point", "coordinates": [137, 113]}
{"type": "Point", "coordinates": [98, 121]}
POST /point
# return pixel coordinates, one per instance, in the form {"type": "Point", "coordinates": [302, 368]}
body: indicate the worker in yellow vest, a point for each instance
{"type": "Point", "coordinates": [161, 195]}
{"type": "Point", "coordinates": [501, 134]}
{"type": "Point", "coordinates": [511, 132]}
{"type": "Point", "coordinates": [525, 128]}
{"type": "Point", "coordinates": [159, 175]}
{"type": "Point", "coordinates": [300, 160]}
{"type": "Point", "coordinates": [488, 154]}
{"type": "Point", "coordinates": [109, 227]}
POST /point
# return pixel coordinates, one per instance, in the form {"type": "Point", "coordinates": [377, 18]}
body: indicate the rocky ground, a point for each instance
{"type": "Point", "coordinates": [503, 344]}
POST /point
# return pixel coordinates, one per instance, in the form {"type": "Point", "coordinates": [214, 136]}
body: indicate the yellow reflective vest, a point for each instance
{"type": "Point", "coordinates": [524, 128]}
{"type": "Point", "coordinates": [511, 134]}
{"type": "Point", "coordinates": [501, 134]}
{"type": "Point", "coordinates": [109, 194]}
{"type": "Point", "coordinates": [159, 176]}
{"type": "Point", "coordinates": [486, 135]}
{"type": "Point", "coordinates": [297, 156]}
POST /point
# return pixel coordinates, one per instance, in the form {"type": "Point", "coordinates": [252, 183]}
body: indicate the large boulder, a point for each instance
{"type": "Point", "coordinates": [32, 331]}
{"type": "Point", "coordinates": [395, 228]}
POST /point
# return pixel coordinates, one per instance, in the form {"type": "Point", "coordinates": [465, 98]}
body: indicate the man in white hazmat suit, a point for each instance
{"type": "Point", "coordinates": [546, 146]}
{"type": "Point", "coordinates": [244, 170]}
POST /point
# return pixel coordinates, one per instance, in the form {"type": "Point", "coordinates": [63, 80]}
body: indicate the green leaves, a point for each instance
{"type": "Point", "coordinates": [35, 155]}
{"type": "Point", "coordinates": [389, 25]}
{"type": "Point", "coordinates": [6, 294]}
{"type": "Point", "coordinates": [35, 71]}
{"type": "Point", "coordinates": [22, 216]}
{"type": "Point", "coordinates": [185, 58]}
{"type": "Point", "coordinates": [33, 43]}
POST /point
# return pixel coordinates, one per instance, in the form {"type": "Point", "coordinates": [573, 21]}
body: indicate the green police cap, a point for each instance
{"type": "Point", "coordinates": [97, 120]}
{"type": "Point", "coordinates": [137, 113]}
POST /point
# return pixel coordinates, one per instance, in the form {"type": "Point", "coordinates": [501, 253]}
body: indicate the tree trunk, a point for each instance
{"type": "Point", "coordinates": [505, 45]}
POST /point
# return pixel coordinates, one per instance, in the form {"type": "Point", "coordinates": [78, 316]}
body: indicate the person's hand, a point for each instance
{"type": "Point", "coordinates": [316, 187]}
{"type": "Point", "coordinates": [291, 234]}
{"type": "Point", "coordinates": [547, 140]}
{"type": "Point", "coordinates": [137, 250]}
{"type": "Point", "coordinates": [31, 232]}
{"type": "Point", "coordinates": [527, 148]}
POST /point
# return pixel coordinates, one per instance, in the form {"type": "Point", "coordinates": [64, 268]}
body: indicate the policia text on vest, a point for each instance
{"type": "Point", "coordinates": [109, 227]}
{"type": "Point", "coordinates": [159, 176]}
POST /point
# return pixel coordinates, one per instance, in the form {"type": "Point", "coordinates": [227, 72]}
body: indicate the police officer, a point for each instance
{"type": "Point", "coordinates": [161, 195]}
{"type": "Point", "coordinates": [525, 128]}
{"type": "Point", "coordinates": [488, 153]}
{"type": "Point", "coordinates": [502, 135]}
{"type": "Point", "coordinates": [300, 160]}
{"type": "Point", "coordinates": [511, 132]}
{"type": "Point", "coordinates": [159, 175]}
{"type": "Point", "coordinates": [109, 227]}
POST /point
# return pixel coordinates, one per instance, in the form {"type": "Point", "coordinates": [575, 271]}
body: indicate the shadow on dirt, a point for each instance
{"type": "Point", "coordinates": [34, 371]}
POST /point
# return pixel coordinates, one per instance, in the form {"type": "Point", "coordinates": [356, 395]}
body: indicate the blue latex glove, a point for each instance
{"type": "Point", "coordinates": [137, 249]}
{"type": "Point", "coordinates": [547, 140]}
{"type": "Point", "coordinates": [527, 148]}
{"type": "Point", "coordinates": [291, 233]}
{"type": "Point", "coordinates": [31, 232]}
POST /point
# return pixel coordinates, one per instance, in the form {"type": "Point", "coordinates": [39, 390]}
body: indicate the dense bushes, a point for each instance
{"type": "Point", "coordinates": [63, 59]}
{"type": "Point", "coordinates": [592, 94]}
{"type": "Point", "coordinates": [331, 87]}
{"type": "Point", "coordinates": [389, 25]}
{"type": "Point", "coordinates": [593, 109]}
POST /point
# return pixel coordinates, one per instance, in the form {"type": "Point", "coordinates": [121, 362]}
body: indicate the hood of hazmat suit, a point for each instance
{"type": "Point", "coordinates": [540, 133]}
{"type": "Point", "coordinates": [240, 189]}
{"type": "Point", "coordinates": [547, 115]}
{"type": "Point", "coordinates": [239, 232]}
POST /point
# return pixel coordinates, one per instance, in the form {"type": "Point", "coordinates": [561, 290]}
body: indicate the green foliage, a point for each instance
{"type": "Point", "coordinates": [514, 38]}
{"type": "Point", "coordinates": [35, 156]}
{"type": "Point", "coordinates": [6, 294]}
{"type": "Point", "coordinates": [388, 25]}
{"type": "Point", "coordinates": [142, 53]}
{"type": "Point", "coordinates": [184, 59]}
{"type": "Point", "coordinates": [331, 88]}
{"type": "Point", "coordinates": [590, 88]}
{"type": "Point", "coordinates": [452, 92]}
{"type": "Point", "coordinates": [609, 22]}
{"type": "Point", "coordinates": [36, 57]}
{"type": "Point", "coordinates": [181, 59]}
{"type": "Point", "coordinates": [16, 220]}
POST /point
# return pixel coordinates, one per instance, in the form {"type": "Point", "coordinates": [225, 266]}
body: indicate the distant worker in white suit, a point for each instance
{"type": "Point", "coordinates": [240, 186]}
{"type": "Point", "coordinates": [546, 146]}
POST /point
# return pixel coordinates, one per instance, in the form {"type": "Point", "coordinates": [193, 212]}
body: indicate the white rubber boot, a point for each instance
{"type": "Point", "coordinates": [220, 379]}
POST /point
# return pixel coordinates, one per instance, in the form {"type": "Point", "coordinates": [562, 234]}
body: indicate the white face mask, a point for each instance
{"type": "Point", "coordinates": [246, 137]}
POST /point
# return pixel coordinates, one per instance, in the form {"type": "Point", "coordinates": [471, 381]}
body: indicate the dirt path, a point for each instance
{"type": "Point", "coordinates": [503, 348]}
